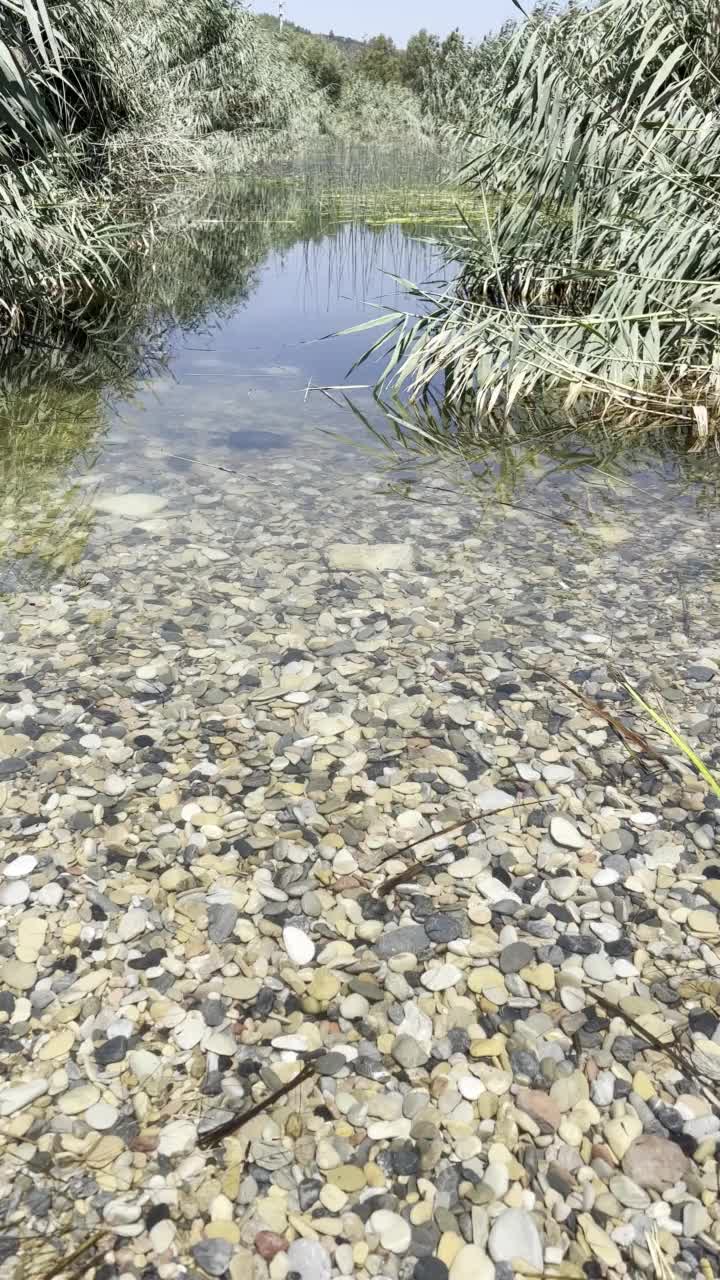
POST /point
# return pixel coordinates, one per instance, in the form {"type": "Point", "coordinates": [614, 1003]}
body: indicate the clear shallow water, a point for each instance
{"type": "Point", "coordinates": [209, 390]}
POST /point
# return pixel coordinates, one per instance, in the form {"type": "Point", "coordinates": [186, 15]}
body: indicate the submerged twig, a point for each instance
{"type": "Point", "coordinates": [409, 872]}
{"type": "Point", "coordinates": [221, 1131]}
{"type": "Point", "coordinates": [67, 1262]}
{"type": "Point", "coordinates": [624, 732]}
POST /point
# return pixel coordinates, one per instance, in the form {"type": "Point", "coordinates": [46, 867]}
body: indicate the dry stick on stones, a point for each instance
{"type": "Point", "coordinates": [671, 1049]}
{"type": "Point", "coordinates": [213, 1136]}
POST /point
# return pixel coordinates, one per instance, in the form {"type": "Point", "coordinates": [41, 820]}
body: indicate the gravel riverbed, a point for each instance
{"type": "Point", "coordinates": [218, 733]}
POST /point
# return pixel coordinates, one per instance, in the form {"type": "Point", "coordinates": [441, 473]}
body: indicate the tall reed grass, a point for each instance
{"type": "Point", "coordinates": [590, 279]}
{"type": "Point", "coordinates": [100, 100]}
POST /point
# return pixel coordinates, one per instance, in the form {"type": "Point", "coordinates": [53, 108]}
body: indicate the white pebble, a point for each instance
{"type": "Point", "coordinates": [132, 924]}
{"type": "Point", "coordinates": [50, 895]}
{"type": "Point", "coordinates": [119, 1213]}
{"type": "Point", "coordinates": [17, 1096]}
{"type": "Point", "coordinates": [470, 1087]}
{"type": "Point", "coordinates": [101, 1116]}
{"type": "Point", "coordinates": [12, 894]}
{"type": "Point", "coordinates": [563, 832]}
{"type": "Point", "coordinates": [163, 1234]}
{"type": "Point", "coordinates": [300, 948]}
{"type": "Point", "coordinates": [354, 1006]}
{"type": "Point", "coordinates": [20, 867]}
{"type": "Point", "coordinates": [466, 868]}
{"type": "Point", "coordinates": [606, 876]}
{"type": "Point", "coordinates": [178, 1138]}
{"type": "Point", "coordinates": [114, 785]}
{"type": "Point", "coordinates": [190, 1032]}
{"type": "Point", "coordinates": [393, 1231]}
{"type": "Point", "coordinates": [441, 977]}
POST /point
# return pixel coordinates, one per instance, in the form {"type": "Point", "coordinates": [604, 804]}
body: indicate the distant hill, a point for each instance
{"type": "Point", "coordinates": [351, 48]}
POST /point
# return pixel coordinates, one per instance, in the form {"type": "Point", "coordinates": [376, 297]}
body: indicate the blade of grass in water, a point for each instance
{"type": "Point", "coordinates": [675, 737]}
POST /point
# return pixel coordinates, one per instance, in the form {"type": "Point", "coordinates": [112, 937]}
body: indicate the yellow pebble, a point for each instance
{"type": "Point", "coordinates": [541, 976]}
{"type": "Point", "coordinates": [486, 979]}
{"type": "Point", "coordinates": [324, 986]}
{"type": "Point", "coordinates": [449, 1246]}
{"type": "Point", "coordinates": [229, 1231]}
{"type": "Point", "coordinates": [643, 1085]}
{"type": "Point", "coordinates": [491, 1048]}
{"type": "Point", "coordinates": [374, 1174]}
{"type": "Point", "coordinates": [349, 1177]}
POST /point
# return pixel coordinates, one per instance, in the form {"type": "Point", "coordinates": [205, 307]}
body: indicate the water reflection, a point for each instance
{"type": "Point", "coordinates": [213, 355]}
{"type": "Point", "coordinates": [179, 355]}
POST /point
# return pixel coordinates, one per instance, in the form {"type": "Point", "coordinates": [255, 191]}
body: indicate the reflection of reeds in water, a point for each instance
{"type": "Point", "coordinates": [44, 517]}
{"type": "Point", "coordinates": [201, 264]}
{"type": "Point", "coordinates": [576, 474]}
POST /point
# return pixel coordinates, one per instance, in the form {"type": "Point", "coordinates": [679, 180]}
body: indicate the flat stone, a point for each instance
{"type": "Point", "coordinates": [17, 868]}
{"type": "Point", "coordinates": [308, 1260]}
{"type": "Point", "coordinates": [58, 1046]}
{"type": "Point", "coordinates": [348, 1177]}
{"type": "Point", "coordinates": [393, 1231]}
{"type": "Point", "coordinates": [541, 1108]}
{"type": "Point", "coordinates": [599, 1242]}
{"type": "Point", "coordinates": [178, 1138]}
{"type": "Point", "coordinates": [411, 938]}
{"type": "Point", "coordinates": [222, 918]}
{"type": "Point", "coordinates": [565, 833]}
{"type": "Point", "coordinates": [408, 1053]}
{"type": "Point", "coordinates": [494, 800]}
{"type": "Point", "coordinates": [132, 924]}
{"type": "Point", "coordinates": [706, 1057]}
{"type": "Point", "coordinates": [655, 1163]}
{"type": "Point", "coordinates": [300, 948]}
{"type": "Point", "coordinates": [628, 1193]}
{"type": "Point", "coordinates": [514, 1235]}
{"type": "Point", "coordinates": [212, 1256]}
{"type": "Point", "coordinates": [514, 957]}
{"type": "Point", "coordinates": [541, 976]}
{"type": "Point", "coordinates": [554, 774]}
{"type": "Point", "coordinates": [466, 868]}
{"type": "Point", "coordinates": [132, 506]}
{"type": "Point", "coordinates": [441, 977]}
{"type": "Point", "coordinates": [18, 1096]}
{"type": "Point", "coordinates": [101, 1116]}
{"type": "Point", "coordinates": [18, 974]}
{"type": "Point", "coordinates": [370, 557]}
{"type": "Point", "coordinates": [430, 1269]}
{"type": "Point", "coordinates": [75, 1101]}
{"type": "Point", "coordinates": [268, 1243]}
{"type": "Point", "coordinates": [471, 1263]}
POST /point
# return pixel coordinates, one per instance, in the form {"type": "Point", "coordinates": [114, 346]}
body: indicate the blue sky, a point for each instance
{"type": "Point", "coordinates": [396, 18]}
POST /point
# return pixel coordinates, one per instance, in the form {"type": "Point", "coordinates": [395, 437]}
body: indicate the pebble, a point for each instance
{"type": "Point", "coordinates": [102, 1115]}
{"type": "Point", "coordinates": [514, 1235]}
{"type": "Point", "coordinates": [308, 1260]}
{"type": "Point", "coordinates": [212, 1256]}
{"type": "Point", "coordinates": [393, 1231]}
{"type": "Point", "coordinates": [408, 1053]}
{"type": "Point", "coordinates": [299, 946]}
{"type": "Point", "coordinates": [16, 1097]}
{"type": "Point", "coordinates": [515, 957]}
{"type": "Point", "coordinates": [472, 1263]}
{"type": "Point", "coordinates": [654, 1162]}
{"type": "Point", "coordinates": [565, 833]}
